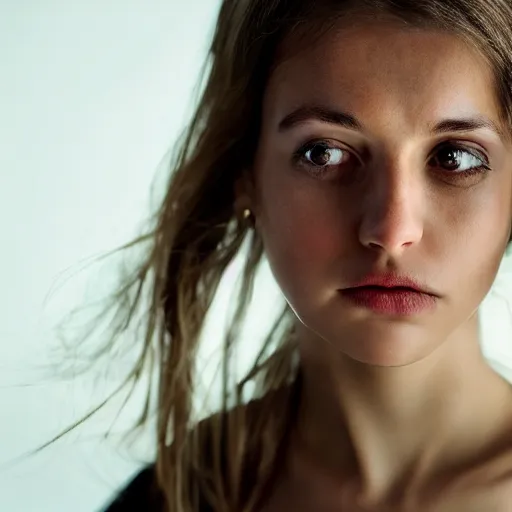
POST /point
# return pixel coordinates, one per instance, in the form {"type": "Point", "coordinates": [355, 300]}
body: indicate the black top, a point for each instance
{"type": "Point", "coordinates": [141, 494]}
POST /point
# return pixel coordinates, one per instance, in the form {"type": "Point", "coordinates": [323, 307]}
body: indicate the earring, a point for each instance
{"type": "Point", "coordinates": [248, 217]}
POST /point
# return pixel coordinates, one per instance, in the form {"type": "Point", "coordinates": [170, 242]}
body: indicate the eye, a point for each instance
{"type": "Point", "coordinates": [460, 160]}
{"type": "Point", "coordinates": [321, 154]}
{"type": "Point", "coordinates": [321, 157]}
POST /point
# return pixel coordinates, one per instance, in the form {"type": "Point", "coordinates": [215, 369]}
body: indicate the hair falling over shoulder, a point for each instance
{"type": "Point", "coordinates": [229, 459]}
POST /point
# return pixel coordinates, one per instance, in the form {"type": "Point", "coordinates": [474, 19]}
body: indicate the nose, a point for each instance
{"type": "Point", "coordinates": [391, 217]}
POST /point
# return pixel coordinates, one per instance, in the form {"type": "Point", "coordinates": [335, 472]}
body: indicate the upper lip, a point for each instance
{"type": "Point", "coordinates": [393, 280]}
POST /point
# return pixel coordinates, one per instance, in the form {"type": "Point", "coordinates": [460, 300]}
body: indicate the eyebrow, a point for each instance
{"type": "Point", "coordinates": [349, 121]}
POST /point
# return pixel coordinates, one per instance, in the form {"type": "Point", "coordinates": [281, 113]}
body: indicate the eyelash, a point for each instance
{"type": "Point", "coordinates": [299, 158]}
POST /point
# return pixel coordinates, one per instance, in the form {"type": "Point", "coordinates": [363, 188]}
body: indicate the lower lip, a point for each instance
{"type": "Point", "coordinates": [391, 301]}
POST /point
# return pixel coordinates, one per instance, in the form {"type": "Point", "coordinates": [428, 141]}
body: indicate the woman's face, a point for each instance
{"type": "Point", "coordinates": [335, 201]}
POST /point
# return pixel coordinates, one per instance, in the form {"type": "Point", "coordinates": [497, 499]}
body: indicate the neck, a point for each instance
{"type": "Point", "coordinates": [384, 425]}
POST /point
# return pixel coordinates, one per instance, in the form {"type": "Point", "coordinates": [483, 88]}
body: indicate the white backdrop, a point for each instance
{"type": "Point", "coordinates": [92, 94]}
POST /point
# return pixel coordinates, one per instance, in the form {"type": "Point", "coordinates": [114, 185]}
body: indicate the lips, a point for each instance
{"type": "Point", "coordinates": [387, 289]}
{"type": "Point", "coordinates": [391, 281]}
{"type": "Point", "coordinates": [400, 301]}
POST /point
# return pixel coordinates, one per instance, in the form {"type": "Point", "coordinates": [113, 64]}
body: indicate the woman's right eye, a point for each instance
{"type": "Point", "coordinates": [321, 159]}
{"type": "Point", "coordinates": [322, 154]}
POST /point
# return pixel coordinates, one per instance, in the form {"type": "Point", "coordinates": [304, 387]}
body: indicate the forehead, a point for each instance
{"type": "Point", "coordinates": [384, 71]}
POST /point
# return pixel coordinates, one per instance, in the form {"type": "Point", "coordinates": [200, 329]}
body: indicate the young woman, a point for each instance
{"type": "Point", "coordinates": [364, 149]}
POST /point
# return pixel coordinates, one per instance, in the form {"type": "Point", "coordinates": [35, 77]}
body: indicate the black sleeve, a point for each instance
{"type": "Point", "coordinates": [141, 494]}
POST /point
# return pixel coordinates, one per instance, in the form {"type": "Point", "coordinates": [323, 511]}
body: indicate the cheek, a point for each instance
{"type": "Point", "coordinates": [481, 226]}
{"type": "Point", "coordinates": [303, 229]}
{"type": "Point", "coordinates": [464, 241]}
{"type": "Point", "coordinates": [478, 246]}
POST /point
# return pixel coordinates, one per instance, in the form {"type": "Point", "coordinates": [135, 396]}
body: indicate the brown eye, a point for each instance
{"type": "Point", "coordinates": [458, 160]}
{"type": "Point", "coordinates": [450, 157]}
{"type": "Point", "coordinates": [321, 154]}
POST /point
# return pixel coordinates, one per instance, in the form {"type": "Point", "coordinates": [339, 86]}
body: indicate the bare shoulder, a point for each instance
{"type": "Point", "coordinates": [499, 480]}
{"type": "Point", "coordinates": [494, 498]}
{"type": "Point", "coordinates": [487, 487]}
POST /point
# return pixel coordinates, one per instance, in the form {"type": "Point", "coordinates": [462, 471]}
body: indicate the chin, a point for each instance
{"type": "Point", "coordinates": [329, 332]}
{"type": "Point", "coordinates": [380, 343]}
{"type": "Point", "coordinates": [388, 346]}
{"type": "Point", "coordinates": [378, 358]}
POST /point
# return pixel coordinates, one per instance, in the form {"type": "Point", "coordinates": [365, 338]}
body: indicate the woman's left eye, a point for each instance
{"type": "Point", "coordinates": [457, 160]}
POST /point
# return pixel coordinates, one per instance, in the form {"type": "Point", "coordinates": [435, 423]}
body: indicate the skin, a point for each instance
{"type": "Point", "coordinates": [398, 412]}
